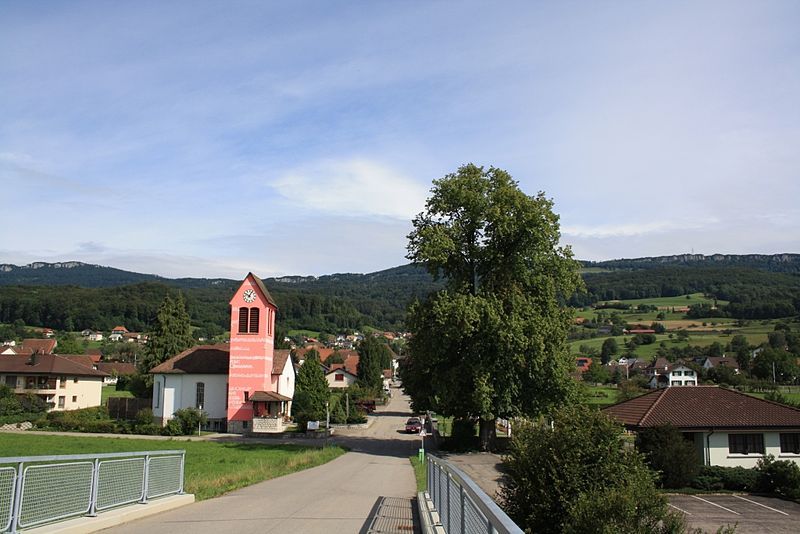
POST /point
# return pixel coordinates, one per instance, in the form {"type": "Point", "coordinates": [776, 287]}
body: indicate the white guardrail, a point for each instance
{"type": "Point", "coordinates": [35, 490]}
{"type": "Point", "coordinates": [459, 505]}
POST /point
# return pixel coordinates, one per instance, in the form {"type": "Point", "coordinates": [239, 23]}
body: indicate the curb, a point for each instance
{"type": "Point", "coordinates": [115, 517]}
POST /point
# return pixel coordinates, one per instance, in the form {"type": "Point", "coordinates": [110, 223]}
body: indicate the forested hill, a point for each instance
{"type": "Point", "coordinates": [782, 263]}
{"type": "Point", "coordinates": [75, 296]}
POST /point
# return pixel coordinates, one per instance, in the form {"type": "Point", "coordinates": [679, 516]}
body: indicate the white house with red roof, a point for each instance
{"type": "Point", "coordinates": [728, 428]}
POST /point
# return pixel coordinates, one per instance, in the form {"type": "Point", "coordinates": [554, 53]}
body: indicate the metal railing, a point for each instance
{"type": "Point", "coordinates": [462, 506]}
{"type": "Point", "coordinates": [35, 490]}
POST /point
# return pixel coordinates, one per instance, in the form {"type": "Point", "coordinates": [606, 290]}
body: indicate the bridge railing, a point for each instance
{"type": "Point", "coordinates": [463, 507]}
{"type": "Point", "coordinates": [35, 490]}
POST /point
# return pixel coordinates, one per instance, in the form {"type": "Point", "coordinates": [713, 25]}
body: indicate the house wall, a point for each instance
{"type": "Point", "coordinates": [719, 453]}
{"type": "Point", "coordinates": [348, 381]}
{"type": "Point", "coordinates": [284, 383]}
{"type": "Point", "coordinates": [88, 390]}
{"type": "Point", "coordinates": [181, 392]}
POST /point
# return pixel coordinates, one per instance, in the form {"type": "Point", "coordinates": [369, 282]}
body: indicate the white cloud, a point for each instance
{"type": "Point", "coordinates": [630, 229]}
{"type": "Point", "coordinates": [352, 187]}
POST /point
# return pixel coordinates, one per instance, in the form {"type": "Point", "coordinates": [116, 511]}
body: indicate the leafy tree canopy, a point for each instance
{"type": "Point", "coordinates": [172, 333]}
{"type": "Point", "coordinates": [492, 342]}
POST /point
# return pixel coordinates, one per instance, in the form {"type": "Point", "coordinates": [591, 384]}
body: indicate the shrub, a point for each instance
{"type": "Point", "coordinates": [172, 428]}
{"type": "Point", "coordinates": [713, 477]}
{"type": "Point", "coordinates": [94, 419]}
{"type": "Point", "coordinates": [577, 476]}
{"type": "Point", "coordinates": [357, 417]}
{"type": "Point", "coordinates": [190, 419]}
{"type": "Point", "coordinates": [670, 454]}
{"type": "Point", "coordinates": [781, 477]}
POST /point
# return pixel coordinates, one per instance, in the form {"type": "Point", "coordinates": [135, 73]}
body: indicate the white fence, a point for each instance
{"type": "Point", "coordinates": [462, 507]}
{"type": "Point", "coordinates": [35, 490]}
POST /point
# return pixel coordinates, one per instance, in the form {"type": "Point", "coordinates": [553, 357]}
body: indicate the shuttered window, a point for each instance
{"type": "Point", "coordinates": [746, 443]}
{"type": "Point", "coordinates": [790, 443]}
{"type": "Point", "coordinates": [243, 317]}
{"type": "Point", "coordinates": [254, 316]}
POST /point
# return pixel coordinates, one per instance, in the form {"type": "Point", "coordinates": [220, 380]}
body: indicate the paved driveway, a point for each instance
{"type": "Point", "coordinates": [366, 490]}
{"type": "Point", "coordinates": [754, 514]}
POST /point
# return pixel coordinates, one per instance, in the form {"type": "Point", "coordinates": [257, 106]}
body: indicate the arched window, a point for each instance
{"type": "Point", "coordinates": [200, 397]}
{"type": "Point", "coordinates": [243, 320]}
{"type": "Point", "coordinates": [254, 316]}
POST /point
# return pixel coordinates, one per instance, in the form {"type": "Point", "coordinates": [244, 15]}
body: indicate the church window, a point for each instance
{"type": "Point", "coordinates": [244, 314]}
{"type": "Point", "coordinates": [254, 317]}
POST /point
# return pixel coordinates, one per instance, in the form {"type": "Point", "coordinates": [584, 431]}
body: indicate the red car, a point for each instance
{"type": "Point", "coordinates": [413, 425]}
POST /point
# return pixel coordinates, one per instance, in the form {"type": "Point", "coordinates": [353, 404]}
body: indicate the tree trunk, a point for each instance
{"type": "Point", "coordinates": [488, 433]}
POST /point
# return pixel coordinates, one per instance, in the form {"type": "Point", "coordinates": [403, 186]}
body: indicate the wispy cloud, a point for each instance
{"type": "Point", "coordinates": [352, 187]}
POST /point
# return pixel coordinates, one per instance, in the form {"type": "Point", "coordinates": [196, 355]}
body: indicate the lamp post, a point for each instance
{"type": "Point", "coordinates": [199, 418]}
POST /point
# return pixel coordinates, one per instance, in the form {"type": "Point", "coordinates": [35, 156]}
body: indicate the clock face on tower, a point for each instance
{"type": "Point", "coordinates": [249, 295]}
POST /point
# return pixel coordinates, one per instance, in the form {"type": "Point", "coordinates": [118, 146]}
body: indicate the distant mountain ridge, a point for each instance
{"type": "Point", "coordinates": [784, 262]}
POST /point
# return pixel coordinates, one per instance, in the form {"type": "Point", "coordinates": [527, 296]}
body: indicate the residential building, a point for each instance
{"type": "Point", "coordinates": [62, 383]}
{"type": "Point", "coordinates": [339, 377]}
{"type": "Point", "coordinates": [727, 428]}
{"type": "Point", "coordinates": [711, 362]}
{"type": "Point", "coordinates": [665, 374]}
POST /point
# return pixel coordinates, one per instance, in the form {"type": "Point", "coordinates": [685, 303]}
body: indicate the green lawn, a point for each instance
{"type": "Point", "coordinates": [600, 395]}
{"type": "Point", "coordinates": [420, 473]}
{"type": "Point", "coordinates": [111, 391]}
{"type": "Point", "coordinates": [307, 333]}
{"type": "Point", "coordinates": [681, 300]}
{"type": "Point", "coordinates": [212, 468]}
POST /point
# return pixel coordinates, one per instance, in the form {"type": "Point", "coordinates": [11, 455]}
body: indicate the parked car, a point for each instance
{"type": "Point", "coordinates": [413, 425]}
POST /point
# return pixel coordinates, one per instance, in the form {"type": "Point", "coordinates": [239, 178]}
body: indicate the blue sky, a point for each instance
{"type": "Point", "coordinates": [215, 138]}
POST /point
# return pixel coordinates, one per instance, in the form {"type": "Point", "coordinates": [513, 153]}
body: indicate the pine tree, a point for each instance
{"type": "Point", "coordinates": [371, 355]}
{"type": "Point", "coordinates": [172, 333]}
{"type": "Point", "coordinates": [311, 392]}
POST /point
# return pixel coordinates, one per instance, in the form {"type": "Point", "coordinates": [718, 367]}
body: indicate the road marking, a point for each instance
{"type": "Point", "coordinates": [678, 509]}
{"type": "Point", "coordinates": [762, 505]}
{"type": "Point", "coordinates": [715, 504]}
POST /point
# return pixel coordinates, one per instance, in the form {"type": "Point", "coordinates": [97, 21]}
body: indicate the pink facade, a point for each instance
{"type": "Point", "coordinates": [251, 350]}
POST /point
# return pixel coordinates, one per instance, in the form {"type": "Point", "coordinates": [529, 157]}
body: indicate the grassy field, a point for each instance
{"type": "Point", "coordinates": [600, 395]}
{"type": "Point", "coordinates": [307, 333]}
{"type": "Point", "coordinates": [111, 391]}
{"type": "Point", "coordinates": [680, 300]}
{"type": "Point", "coordinates": [211, 468]}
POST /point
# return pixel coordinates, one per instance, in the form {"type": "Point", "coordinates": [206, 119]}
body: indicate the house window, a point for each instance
{"type": "Point", "coordinates": [254, 317]}
{"type": "Point", "coordinates": [790, 442]}
{"type": "Point", "coordinates": [244, 314]}
{"type": "Point", "coordinates": [11, 381]}
{"type": "Point", "coordinates": [62, 381]}
{"type": "Point", "coordinates": [677, 382]}
{"type": "Point", "coordinates": [74, 398]}
{"type": "Point", "coordinates": [61, 400]}
{"type": "Point", "coordinates": [157, 400]}
{"type": "Point", "coordinates": [75, 379]}
{"type": "Point", "coordinates": [688, 373]}
{"type": "Point", "coordinates": [746, 443]}
{"type": "Point", "coordinates": [247, 396]}
{"type": "Point", "coordinates": [339, 377]}
{"type": "Point", "coordinates": [200, 396]}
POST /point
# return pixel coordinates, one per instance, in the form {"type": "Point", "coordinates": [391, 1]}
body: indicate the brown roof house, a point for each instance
{"type": "Point", "coordinates": [62, 383]}
{"type": "Point", "coordinates": [728, 428]}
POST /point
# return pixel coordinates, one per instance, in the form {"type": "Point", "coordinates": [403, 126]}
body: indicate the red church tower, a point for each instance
{"type": "Point", "coordinates": [251, 350]}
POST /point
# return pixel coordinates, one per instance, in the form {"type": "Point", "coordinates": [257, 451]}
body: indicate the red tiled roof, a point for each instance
{"type": "Point", "coordinates": [49, 364]}
{"type": "Point", "coordinates": [716, 361]}
{"type": "Point", "coordinates": [202, 359]}
{"type": "Point", "coordinates": [81, 359]}
{"type": "Point", "coordinates": [703, 407]}
{"type": "Point", "coordinates": [44, 346]}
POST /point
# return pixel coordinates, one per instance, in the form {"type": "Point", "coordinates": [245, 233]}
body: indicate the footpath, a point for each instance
{"type": "Point", "coordinates": [370, 489]}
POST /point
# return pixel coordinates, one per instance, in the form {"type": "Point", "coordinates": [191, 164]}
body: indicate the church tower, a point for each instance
{"type": "Point", "coordinates": [251, 350]}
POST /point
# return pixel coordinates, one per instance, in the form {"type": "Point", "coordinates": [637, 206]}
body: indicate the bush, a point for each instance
{"type": "Point", "coordinates": [714, 477]}
{"type": "Point", "coordinates": [357, 417]}
{"type": "Point", "coordinates": [94, 419]}
{"type": "Point", "coordinates": [172, 428]}
{"type": "Point", "coordinates": [577, 476]}
{"type": "Point", "coordinates": [670, 454]}
{"type": "Point", "coordinates": [190, 420]}
{"type": "Point", "coordinates": [781, 477]}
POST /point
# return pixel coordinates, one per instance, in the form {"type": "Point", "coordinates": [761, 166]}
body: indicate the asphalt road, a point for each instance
{"type": "Point", "coordinates": [365, 490]}
{"type": "Point", "coordinates": [750, 513]}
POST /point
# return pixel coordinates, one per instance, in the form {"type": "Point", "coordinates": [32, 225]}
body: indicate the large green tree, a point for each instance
{"type": "Point", "coordinates": [311, 391]}
{"type": "Point", "coordinates": [492, 342]}
{"type": "Point", "coordinates": [172, 333]}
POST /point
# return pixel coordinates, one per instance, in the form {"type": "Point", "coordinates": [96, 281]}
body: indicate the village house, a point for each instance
{"type": "Point", "coordinates": [339, 377]}
{"type": "Point", "coordinates": [664, 374]}
{"type": "Point", "coordinates": [60, 382]}
{"type": "Point", "coordinates": [727, 428]}
{"type": "Point", "coordinates": [710, 362]}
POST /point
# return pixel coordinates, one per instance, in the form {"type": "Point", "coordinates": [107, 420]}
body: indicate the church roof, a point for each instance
{"type": "Point", "coordinates": [202, 359]}
{"type": "Point", "coordinates": [263, 289]}
{"type": "Point", "coordinates": [268, 396]}
{"type": "Point", "coordinates": [279, 361]}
